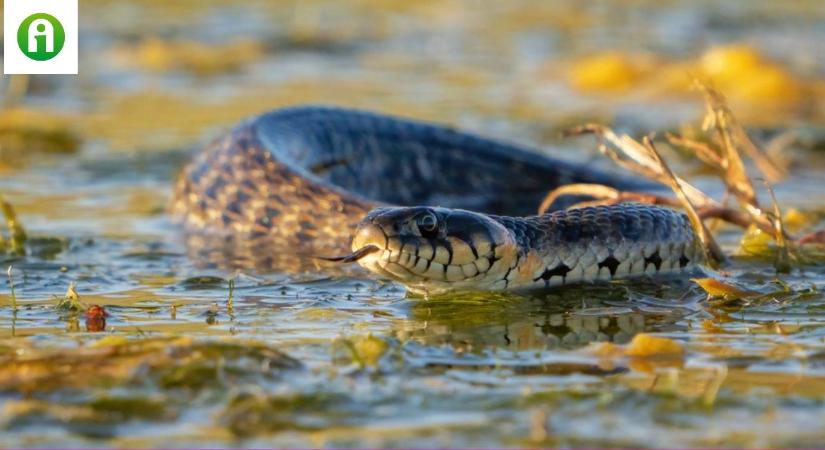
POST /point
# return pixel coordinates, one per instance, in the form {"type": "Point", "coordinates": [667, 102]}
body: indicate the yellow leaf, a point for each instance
{"type": "Point", "coordinates": [730, 63]}
{"type": "Point", "coordinates": [607, 72]}
{"type": "Point", "coordinates": [796, 220]}
{"type": "Point", "coordinates": [744, 75]}
{"type": "Point", "coordinates": [644, 345]}
{"type": "Point", "coordinates": [71, 293]}
{"type": "Point", "coordinates": [716, 288]}
{"type": "Point", "coordinates": [711, 326]}
{"type": "Point", "coordinates": [651, 365]}
{"type": "Point", "coordinates": [606, 350]}
{"type": "Point", "coordinates": [112, 340]}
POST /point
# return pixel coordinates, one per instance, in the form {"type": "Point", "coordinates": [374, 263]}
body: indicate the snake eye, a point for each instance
{"type": "Point", "coordinates": [427, 225]}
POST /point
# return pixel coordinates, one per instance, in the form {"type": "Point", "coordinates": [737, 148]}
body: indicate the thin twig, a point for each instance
{"type": "Point", "coordinates": [604, 195]}
{"type": "Point", "coordinates": [639, 160]}
{"type": "Point", "coordinates": [712, 250]}
{"type": "Point", "coordinates": [703, 151]}
{"type": "Point", "coordinates": [11, 286]}
{"type": "Point", "coordinates": [230, 305]}
{"type": "Point", "coordinates": [783, 257]}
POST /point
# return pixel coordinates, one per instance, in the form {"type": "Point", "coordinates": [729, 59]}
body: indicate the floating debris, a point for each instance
{"type": "Point", "coordinates": [71, 300]}
{"type": "Point", "coordinates": [96, 319]}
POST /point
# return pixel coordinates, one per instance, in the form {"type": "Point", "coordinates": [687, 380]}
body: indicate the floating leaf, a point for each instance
{"type": "Point", "coordinates": [749, 77]}
{"type": "Point", "coordinates": [645, 345]}
{"type": "Point", "coordinates": [756, 242]}
{"type": "Point", "coordinates": [607, 72]}
{"type": "Point", "coordinates": [711, 327]}
{"type": "Point", "coordinates": [642, 346]}
{"type": "Point", "coordinates": [607, 350]}
{"type": "Point", "coordinates": [796, 220]}
{"type": "Point", "coordinates": [112, 341]}
{"type": "Point", "coordinates": [716, 288]}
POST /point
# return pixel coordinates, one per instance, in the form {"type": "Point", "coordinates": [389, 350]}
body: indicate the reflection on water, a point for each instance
{"type": "Point", "coordinates": [568, 319]}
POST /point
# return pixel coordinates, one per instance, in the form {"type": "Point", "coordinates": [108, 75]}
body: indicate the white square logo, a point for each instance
{"type": "Point", "coordinates": [40, 36]}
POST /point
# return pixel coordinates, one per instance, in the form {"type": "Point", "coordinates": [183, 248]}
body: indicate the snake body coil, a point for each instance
{"type": "Point", "coordinates": [304, 181]}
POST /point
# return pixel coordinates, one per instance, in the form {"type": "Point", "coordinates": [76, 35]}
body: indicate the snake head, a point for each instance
{"type": "Point", "coordinates": [436, 250]}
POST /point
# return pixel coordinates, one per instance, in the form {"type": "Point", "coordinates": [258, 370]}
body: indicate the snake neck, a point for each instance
{"type": "Point", "coordinates": [598, 243]}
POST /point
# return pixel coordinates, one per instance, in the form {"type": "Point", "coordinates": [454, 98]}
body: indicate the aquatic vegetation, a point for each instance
{"type": "Point", "coordinates": [71, 300]}
{"type": "Point", "coordinates": [365, 351]}
{"type": "Point", "coordinates": [15, 243]}
{"type": "Point", "coordinates": [26, 130]}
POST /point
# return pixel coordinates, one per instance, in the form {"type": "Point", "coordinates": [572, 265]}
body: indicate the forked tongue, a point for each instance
{"type": "Point", "coordinates": [354, 256]}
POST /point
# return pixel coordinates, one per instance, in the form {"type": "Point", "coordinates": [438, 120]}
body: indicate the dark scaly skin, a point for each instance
{"type": "Point", "coordinates": [295, 183]}
{"type": "Point", "coordinates": [437, 250]}
{"type": "Point", "coordinates": [240, 204]}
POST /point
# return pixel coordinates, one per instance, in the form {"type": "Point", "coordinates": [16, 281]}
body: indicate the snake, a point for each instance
{"type": "Point", "coordinates": [429, 206]}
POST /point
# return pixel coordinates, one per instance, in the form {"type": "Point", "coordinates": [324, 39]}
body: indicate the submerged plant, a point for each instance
{"type": "Point", "coordinates": [70, 300]}
{"type": "Point", "coordinates": [16, 242]}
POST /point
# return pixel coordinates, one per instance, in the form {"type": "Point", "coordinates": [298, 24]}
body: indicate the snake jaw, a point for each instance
{"type": "Point", "coordinates": [462, 251]}
{"type": "Point", "coordinates": [369, 236]}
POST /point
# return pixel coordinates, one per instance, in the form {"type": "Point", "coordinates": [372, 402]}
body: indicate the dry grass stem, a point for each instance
{"type": "Point", "coordinates": [720, 116]}
{"type": "Point", "coordinates": [11, 287]}
{"type": "Point", "coordinates": [713, 251]}
{"type": "Point", "coordinates": [605, 195]}
{"type": "Point", "coordinates": [783, 257]}
{"type": "Point", "coordinates": [702, 150]}
{"type": "Point", "coordinates": [636, 158]}
{"type": "Point", "coordinates": [720, 151]}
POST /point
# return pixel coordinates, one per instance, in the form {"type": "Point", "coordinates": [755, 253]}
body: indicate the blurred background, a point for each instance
{"type": "Point", "coordinates": [158, 76]}
{"type": "Point", "coordinates": [88, 162]}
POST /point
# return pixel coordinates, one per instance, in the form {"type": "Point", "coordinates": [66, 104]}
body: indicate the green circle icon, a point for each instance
{"type": "Point", "coordinates": [41, 37]}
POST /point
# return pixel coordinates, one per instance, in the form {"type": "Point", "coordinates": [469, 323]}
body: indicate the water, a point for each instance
{"type": "Point", "coordinates": [312, 360]}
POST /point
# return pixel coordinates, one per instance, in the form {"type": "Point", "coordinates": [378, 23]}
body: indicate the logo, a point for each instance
{"type": "Point", "coordinates": [41, 37]}
{"type": "Point", "coordinates": [46, 36]}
